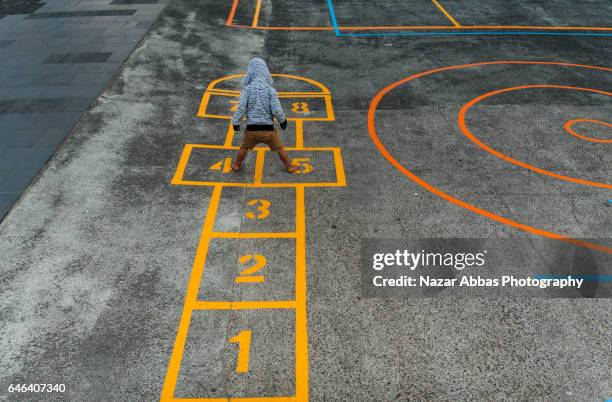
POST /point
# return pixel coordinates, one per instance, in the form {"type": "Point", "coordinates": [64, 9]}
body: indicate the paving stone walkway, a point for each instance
{"type": "Point", "coordinates": [56, 56]}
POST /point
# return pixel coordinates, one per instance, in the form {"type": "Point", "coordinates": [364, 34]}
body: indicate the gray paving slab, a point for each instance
{"type": "Point", "coordinates": [54, 61]}
{"type": "Point", "coordinates": [22, 138]}
{"type": "Point", "coordinates": [6, 201]}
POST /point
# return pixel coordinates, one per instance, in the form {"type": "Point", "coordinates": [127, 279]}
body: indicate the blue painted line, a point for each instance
{"type": "Point", "coordinates": [332, 17]}
{"type": "Point", "coordinates": [334, 21]}
{"type": "Point", "coordinates": [587, 278]}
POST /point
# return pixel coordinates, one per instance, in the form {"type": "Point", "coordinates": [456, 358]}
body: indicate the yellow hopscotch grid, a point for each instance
{"type": "Point", "coordinates": [300, 303]}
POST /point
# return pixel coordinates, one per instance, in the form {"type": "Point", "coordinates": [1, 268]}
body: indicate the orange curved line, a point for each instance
{"type": "Point", "coordinates": [429, 187]}
{"type": "Point", "coordinates": [568, 126]}
{"type": "Point", "coordinates": [466, 131]}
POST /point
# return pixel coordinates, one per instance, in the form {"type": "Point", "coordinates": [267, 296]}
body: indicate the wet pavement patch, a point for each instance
{"type": "Point", "coordinates": [11, 7]}
{"type": "Point", "coordinates": [119, 2]}
{"type": "Point", "coordinates": [92, 13]}
{"type": "Point", "coordinates": [95, 57]}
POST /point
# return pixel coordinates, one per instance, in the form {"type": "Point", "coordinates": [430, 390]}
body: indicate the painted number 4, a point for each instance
{"type": "Point", "coordinates": [224, 165]}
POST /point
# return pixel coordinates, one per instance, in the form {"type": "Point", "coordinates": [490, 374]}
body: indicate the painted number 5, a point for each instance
{"type": "Point", "coordinates": [263, 206]}
{"type": "Point", "coordinates": [304, 164]}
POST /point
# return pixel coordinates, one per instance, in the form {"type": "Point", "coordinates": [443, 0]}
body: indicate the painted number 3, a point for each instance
{"type": "Point", "coordinates": [263, 209]}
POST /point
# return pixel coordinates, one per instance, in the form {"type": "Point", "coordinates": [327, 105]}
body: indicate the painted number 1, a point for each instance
{"type": "Point", "coordinates": [243, 339]}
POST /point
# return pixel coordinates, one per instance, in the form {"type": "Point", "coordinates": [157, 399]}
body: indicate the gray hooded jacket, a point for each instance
{"type": "Point", "coordinates": [258, 99]}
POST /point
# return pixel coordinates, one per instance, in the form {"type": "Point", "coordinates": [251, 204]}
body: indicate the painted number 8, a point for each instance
{"type": "Point", "coordinates": [300, 107]}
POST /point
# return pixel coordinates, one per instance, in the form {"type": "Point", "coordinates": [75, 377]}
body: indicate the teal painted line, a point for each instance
{"type": "Point", "coordinates": [332, 17]}
{"type": "Point", "coordinates": [475, 33]}
{"type": "Point", "coordinates": [334, 22]}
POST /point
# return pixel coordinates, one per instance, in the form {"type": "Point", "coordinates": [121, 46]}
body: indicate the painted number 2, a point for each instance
{"type": "Point", "coordinates": [262, 206]}
{"type": "Point", "coordinates": [246, 275]}
{"type": "Point", "coordinates": [300, 107]}
{"type": "Point", "coordinates": [243, 339]}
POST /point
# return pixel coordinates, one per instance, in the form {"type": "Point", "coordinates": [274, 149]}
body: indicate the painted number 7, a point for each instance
{"type": "Point", "coordinates": [304, 164]}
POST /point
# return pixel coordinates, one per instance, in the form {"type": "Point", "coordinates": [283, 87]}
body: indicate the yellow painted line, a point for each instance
{"type": "Point", "coordinates": [259, 165]}
{"type": "Point", "coordinates": [261, 185]}
{"type": "Point", "coordinates": [232, 92]}
{"type": "Point", "coordinates": [253, 235]}
{"type": "Point", "coordinates": [203, 104]}
{"type": "Point", "coordinates": [330, 109]}
{"type": "Point", "coordinates": [317, 84]}
{"type": "Point", "coordinates": [191, 297]}
{"type": "Point", "coordinates": [450, 17]}
{"type": "Point", "coordinates": [299, 133]}
{"type": "Point", "coordinates": [329, 149]}
{"type": "Point", "coordinates": [301, 323]}
{"type": "Point", "coordinates": [229, 137]}
{"type": "Point", "coordinates": [182, 165]}
{"type": "Point", "coordinates": [244, 305]}
{"type": "Point", "coordinates": [261, 399]}
{"type": "Point", "coordinates": [256, 15]}
{"type": "Point", "coordinates": [340, 175]}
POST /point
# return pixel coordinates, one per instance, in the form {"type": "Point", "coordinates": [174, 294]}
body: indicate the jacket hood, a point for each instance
{"type": "Point", "coordinates": [257, 71]}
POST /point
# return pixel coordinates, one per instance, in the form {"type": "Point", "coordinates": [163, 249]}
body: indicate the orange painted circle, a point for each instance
{"type": "Point", "coordinates": [433, 189]}
{"type": "Point", "coordinates": [466, 131]}
{"type": "Point", "coordinates": [569, 127]}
